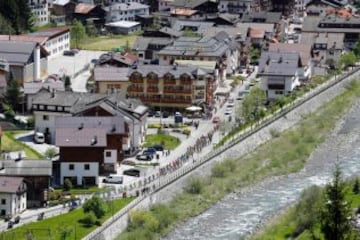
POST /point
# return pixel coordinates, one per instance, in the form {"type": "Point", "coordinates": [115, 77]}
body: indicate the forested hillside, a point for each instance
{"type": "Point", "coordinates": [15, 16]}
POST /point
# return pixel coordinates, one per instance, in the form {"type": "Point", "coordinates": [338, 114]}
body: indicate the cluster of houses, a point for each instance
{"type": "Point", "coordinates": [186, 51]}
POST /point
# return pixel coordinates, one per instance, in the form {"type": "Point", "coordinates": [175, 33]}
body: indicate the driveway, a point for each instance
{"type": "Point", "coordinates": [27, 138]}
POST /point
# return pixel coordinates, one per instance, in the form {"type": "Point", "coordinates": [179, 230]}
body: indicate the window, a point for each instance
{"type": "Point", "coordinates": [3, 201]}
{"type": "Point", "coordinates": [71, 166]}
{"type": "Point", "coordinates": [279, 92]}
{"type": "Point", "coordinates": [108, 154]}
{"type": "Point", "coordinates": [45, 117]}
{"type": "Point", "coordinates": [86, 166]}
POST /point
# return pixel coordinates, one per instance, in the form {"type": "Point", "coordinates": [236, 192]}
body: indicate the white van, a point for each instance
{"type": "Point", "coordinates": [39, 137]}
{"type": "Point", "coordinates": [114, 179]}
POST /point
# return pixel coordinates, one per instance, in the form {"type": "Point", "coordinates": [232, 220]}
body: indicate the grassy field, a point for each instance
{"type": "Point", "coordinates": [107, 43]}
{"type": "Point", "coordinates": [49, 229]}
{"type": "Point", "coordinates": [168, 141]}
{"type": "Point", "coordinates": [268, 160]}
{"type": "Point", "coordinates": [9, 143]}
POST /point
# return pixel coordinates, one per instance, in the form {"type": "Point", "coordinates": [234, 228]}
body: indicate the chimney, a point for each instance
{"type": "Point", "coordinates": [94, 140]}
{"type": "Point", "coordinates": [36, 70]}
{"type": "Point", "coordinates": [53, 93]}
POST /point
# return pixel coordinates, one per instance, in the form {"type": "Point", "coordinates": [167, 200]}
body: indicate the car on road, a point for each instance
{"type": "Point", "coordinates": [157, 114]}
{"type": "Point", "coordinates": [216, 119]}
{"type": "Point", "coordinates": [230, 105]}
{"type": "Point", "coordinates": [69, 53]}
{"type": "Point", "coordinates": [240, 96]}
{"type": "Point", "coordinates": [150, 150]}
{"type": "Point", "coordinates": [158, 147]}
{"type": "Point", "coordinates": [132, 172]}
{"type": "Point", "coordinates": [113, 179]}
{"type": "Point", "coordinates": [39, 137]}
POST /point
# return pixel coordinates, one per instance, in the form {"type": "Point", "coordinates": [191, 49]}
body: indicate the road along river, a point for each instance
{"type": "Point", "coordinates": [242, 213]}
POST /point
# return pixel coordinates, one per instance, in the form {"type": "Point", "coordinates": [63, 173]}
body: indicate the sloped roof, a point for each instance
{"type": "Point", "coordinates": [303, 49]}
{"type": "Point", "coordinates": [24, 38]}
{"type": "Point", "coordinates": [256, 33]}
{"type": "Point", "coordinates": [10, 184]}
{"type": "Point", "coordinates": [49, 32]}
{"type": "Point", "coordinates": [278, 63]}
{"type": "Point", "coordinates": [61, 2]}
{"type": "Point", "coordinates": [110, 74]}
{"type": "Point", "coordinates": [183, 12]}
{"type": "Point", "coordinates": [86, 131]}
{"type": "Point", "coordinates": [16, 53]}
{"type": "Point", "coordinates": [84, 8]}
{"type": "Point", "coordinates": [189, 3]}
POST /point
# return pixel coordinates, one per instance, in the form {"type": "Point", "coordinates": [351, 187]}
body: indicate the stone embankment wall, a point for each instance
{"type": "Point", "coordinates": [173, 183]}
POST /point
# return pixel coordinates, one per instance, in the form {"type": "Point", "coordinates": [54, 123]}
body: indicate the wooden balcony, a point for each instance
{"type": "Point", "coordinates": [153, 81]}
{"type": "Point", "coordinates": [169, 82]}
{"type": "Point", "coordinates": [135, 89]}
{"type": "Point", "coordinates": [184, 82]}
{"type": "Point", "coordinates": [182, 91]}
{"type": "Point", "coordinates": [152, 90]}
{"type": "Point", "coordinates": [176, 100]}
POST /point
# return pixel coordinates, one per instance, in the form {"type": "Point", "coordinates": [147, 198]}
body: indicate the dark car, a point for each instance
{"type": "Point", "coordinates": [158, 147]}
{"type": "Point", "coordinates": [150, 150]}
{"type": "Point", "coordinates": [132, 172]}
{"type": "Point", "coordinates": [68, 53]}
{"type": "Point", "coordinates": [165, 114]}
{"type": "Point", "coordinates": [150, 114]}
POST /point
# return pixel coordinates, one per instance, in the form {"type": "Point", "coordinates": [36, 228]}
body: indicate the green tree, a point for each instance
{"type": "Point", "coordinates": [91, 30]}
{"type": "Point", "coordinates": [335, 222]}
{"type": "Point", "coordinates": [356, 187]}
{"type": "Point", "coordinates": [5, 26]}
{"type": "Point", "coordinates": [78, 32]}
{"type": "Point", "coordinates": [356, 49]}
{"type": "Point", "coordinates": [97, 206]}
{"type": "Point", "coordinates": [12, 92]}
{"type": "Point", "coordinates": [18, 13]}
{"type": "Point", "coordinates": [347, 60]}
{"type": "Point", "coordinates": [253, 104]}
{"type": "Point", "coordinates": [68, 185]}
{"type": "Point", "coordinates": [50, 152]}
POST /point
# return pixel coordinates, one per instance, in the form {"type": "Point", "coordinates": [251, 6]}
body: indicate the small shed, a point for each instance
{"type": "Point", "coordinates": [123, 27]}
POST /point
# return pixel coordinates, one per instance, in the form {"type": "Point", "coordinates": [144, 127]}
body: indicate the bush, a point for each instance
{"type": "Point", "coordinates": [195, 186]}
{"type": "Point", "coordinates": [143, 219]}
{"type": "Point", "coordinates": [31, 122]}
{"type": "Point", "coordinates": [219, 170]}
{"type": "Point", "coordinates": [97, 206]}
{"type": "Point", "coordinates": [68, 185]}
{"type": "Point", "coordinates": [164, 215]}
{"type": "Point", "coordinates": [89, 219]}
{"type": "Point", "coordinates": [186, 131]}
{"type": "Point", "coordinates": [274, 133]}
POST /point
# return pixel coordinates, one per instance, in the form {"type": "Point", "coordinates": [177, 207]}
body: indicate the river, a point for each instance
{"type": "Point", "coordinates": [242, 213]}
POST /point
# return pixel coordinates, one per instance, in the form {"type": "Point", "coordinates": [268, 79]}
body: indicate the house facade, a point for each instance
{"type": "Point", "coordinates": [279, 73]}
{"type": "Point", "coordinates": [123, 27]}
{"type": "Point", "coordinates": [235, 6]}
{"type": "Point", "coordinates": [12, 196]}
{"type": "Point", "coordinates": [89, 146]}
{"type": "Point", "coordinates": [40, 10]}
{"type": "Point", "coordinates": [4, 71]}
{"type": "Point", "coordinates": [37, 175]}
{"type": "Point", "coordinates": [125, 11]}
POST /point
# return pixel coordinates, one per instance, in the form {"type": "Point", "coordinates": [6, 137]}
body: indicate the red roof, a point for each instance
{"type": "Point", "coordinates": [10, 184]}
{"type": "Point", "coordinates": [24, 38]}
{"type": "Point", "coordinates": [84, 8]}
{"type": "Point", "coordinates": [256, 33]}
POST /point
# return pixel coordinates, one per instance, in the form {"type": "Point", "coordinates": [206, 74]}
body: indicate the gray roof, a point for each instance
{"type": "Point", "coordinates": [86, 131]}
{"type": "Point", "coordinates": [16, 53]}
{"type": "Point", "coordinates": [279, 63]}
{"type": "Point", "coordinates": [126, 6]}
{"type": "Point", "coordinates": [332, 3]}
{"type": "Point", "coordinates": [142, 43]}
{"type": "Point", "coordinates": [170, 31]}
{"type": "Point", "coordinates": [26, 168]}
{"type": "Point", "coordinates": [103, 73]}
{"type": "Point", "coordinates": [161, 70]}
{"type": "Point", "coordinates": [199, 46]}
{"type": "Point", "coordinates": [34, 87]}
{"type": "Point", "coordinates": [313, 24]}
{"type": "Point", "coordinates": [10, 184]}
{"type": "Point", "coordinates": [266, 17]}
{"type": "Point", "coordinates": [181, 25]}
{"type": "Point", "coordinates": [189, 3]}
{"type": "Point", "coordinates": [331, 39]}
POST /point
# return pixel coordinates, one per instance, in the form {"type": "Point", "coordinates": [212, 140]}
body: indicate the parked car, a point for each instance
{"type": "Point", "coordinates": [240, 96]}
{"type": "Point", "coordinates": [165, 114]}
{"type": "Point", "coordinates": [113, 179]}
{"type": "Point", "coordinates": [39, 137]}
{"type": "Point", "coordinates": [228, 111]}
{"type": "Point", "coordinates": [128, 162]}
{"type": "Point", "coordinates": [158, 147]}
{"type": "Point", "coordinates": [68, 53]}
{"type": "Point", "coordinates": [157, 114]}
{"type": "Point", "coordinates": [144, 157]}
{"type": "Point", "coordinates": [150, 114]}
{"type": "Point", "coordinates": [132, 172]}
{"type": "Point", "coordinates": [150, 150]}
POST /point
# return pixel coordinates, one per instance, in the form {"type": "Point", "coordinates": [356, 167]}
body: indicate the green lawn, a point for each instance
{"type": "Point", "coordinates": [48, 229]}
{"type": "Point", "coordinates": [107, 43]}
{"type": "Point", "coordinates": [10, 143]}
{"type": "Point", "coordinates": [168, 141]}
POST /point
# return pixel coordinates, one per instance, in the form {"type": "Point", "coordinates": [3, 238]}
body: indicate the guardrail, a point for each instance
{"type": "Point", "coordinates": [159, 184]}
